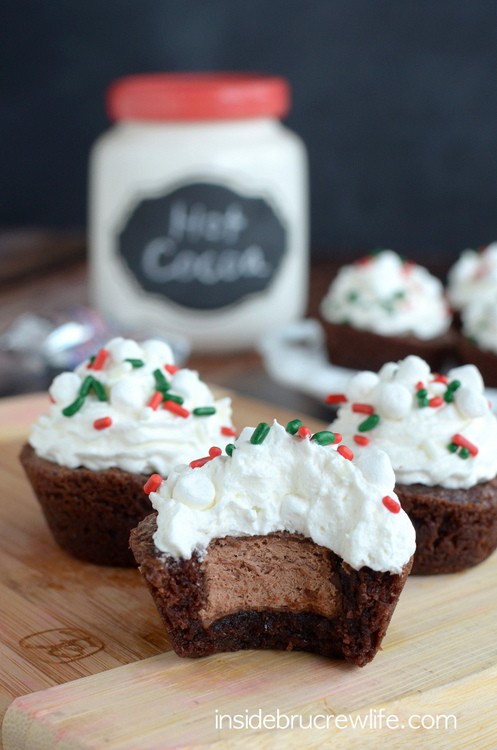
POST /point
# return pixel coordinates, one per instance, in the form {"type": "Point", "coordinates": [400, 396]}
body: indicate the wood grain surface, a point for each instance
{"type": "Point", "coordinates": [84, 648]}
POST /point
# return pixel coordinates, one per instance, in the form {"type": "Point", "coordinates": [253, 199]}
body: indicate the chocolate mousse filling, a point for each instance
{"type": "Point", "coordinates": [279, 591]}
{"type": "Point", "coordinates": [281, 573]}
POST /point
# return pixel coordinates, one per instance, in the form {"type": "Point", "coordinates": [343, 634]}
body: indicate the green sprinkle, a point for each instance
{"type": "Point", "coordinates": [86, 385]}
{"type": "Point", "coordinates": [352, 296]}
{"type": "Point", "coordinates": [293, 426]}
{"type": "Point", "coordinates": [74, 407]}
{"type": "Point", "coordinates": [369, 423]}
{"type": "Point", "coordinates": [454, 385]}
{"type": "Point", "coordinates": [204, 411]}
{"type": "Point", "coordinates": [325, 437]}
{"type": "Point", "coordinates": [135, 362]}
{"type": "Point", "coordinates": [260, 433]}
{"type": "Point", "coordinates": [452, 447]}
{"type": "Point", "coordinates": [91, 359]}
{"type": "Point", "coordinates": [422, 393]}
{"type": "Point", "coordinates": [173, 397]}
{"type": "Point", "coordinates": [161, 382]}
{"type": "Point", "coordinates": [92, 384]}
{"type": "Point", "coordinates": [448, 397]}
{"type": "Point", "coordinates": [230, 448]}
{"type": "Point", "coordinates": [99, 390]}
{"type": "Point", "coordinates": [463, 453]}
{"type": "Point", "coordinates": [423, 402]}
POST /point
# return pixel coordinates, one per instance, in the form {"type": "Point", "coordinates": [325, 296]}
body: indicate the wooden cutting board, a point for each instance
{"type": "Point", "coordinates": [84, 655]}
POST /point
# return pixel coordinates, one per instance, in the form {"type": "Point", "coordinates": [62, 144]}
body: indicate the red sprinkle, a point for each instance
{"type": "Point", "coordinates": [363, 408]}
{"type": "Point", "coordinates": [156, 400]}
{"type": "Point", "coordinates": [228, 431]}
{"type": "Point", "coordinates": [198, 462]}
{"type": "Point", "coordinates": [419, 385]}
{"type": "Point", "coordinates": [345, 451]}
{"type": "Point", "coordinates": [171, 369]}
{"type": "Point", "coordinates": [175, 408]}
{"type": "Point", "coordinates": [463, 442]}
{"type": "Point", "coordinates": [338, 437]}
{"type": "Point", "coordinates": [390, 504]}
{"type": "Point", "coordinates": [101, 424]}
{"type": "Point", "coordinates": [100, 360]}
{"type": "Point", "coordinates": [304, 432]}
{"type": "Point", "coordinates": [213, 453]}
{"type": "Point", "coordinates": [336, 398]}
{"type": "Point", "coordinates": [152, 484]}
{"type": "Point", "coordinates": [441, 379]}
{"type": "Point", "coordinates": [361, 440]}
{"type": "Point", "coordinates": [364, 261]}
{"type": "Point", "coordinates": [436, 401]}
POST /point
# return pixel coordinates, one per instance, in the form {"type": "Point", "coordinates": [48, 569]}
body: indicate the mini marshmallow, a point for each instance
{"type": "Point", "coordinates": [195, 490]}
{"type": "Point", "coordinates": [361, 385]}
{"type": "Point", "coordinates": [65, 388]}
{"type": "Point", "coordinates": [413, 368]}
{"type": "Point", "coordinates": [395, 401]}
{"type": "Point", "coordinates": [469, 403]}
{"type": "Point", "coordinates": [469, 375]}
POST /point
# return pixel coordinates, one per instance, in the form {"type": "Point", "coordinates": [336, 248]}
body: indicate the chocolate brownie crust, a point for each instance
{"type": "Point", "coordinates": [366, 603]}
{"type": "Point", "coordinates": [455, 528]}
{"type": "Point", "coordinates": [359, 349]}
{"type": "Point", "coordinates": [90, 513]}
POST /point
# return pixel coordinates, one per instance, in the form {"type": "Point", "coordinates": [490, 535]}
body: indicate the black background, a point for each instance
{"type": "Point", "coordinates": [396, 101]}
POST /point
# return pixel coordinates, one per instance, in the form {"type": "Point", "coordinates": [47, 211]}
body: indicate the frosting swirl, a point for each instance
{"type": "Point", "coordinates": [130, 408]}
{"type": "Point", "coordinates": [293, 483]}
{"type": "Point", "coordinates": [473, 276]}
{"type": "Point", "coordinates": [479, 321]}
{"type": "Point", "coordinates": [437, 430]}
{"type": "Point", "coordinates": [389, 296]}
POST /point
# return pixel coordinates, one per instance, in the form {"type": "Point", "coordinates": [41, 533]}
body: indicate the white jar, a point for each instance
{"type": "Point", "coordinates": [199, 209]}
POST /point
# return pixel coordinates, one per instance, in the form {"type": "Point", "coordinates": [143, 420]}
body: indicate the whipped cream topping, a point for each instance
{"type": "Point", "coordinates": [473, 276]}
{"type": "Point", "coordinates": [479, 321]}
{"type": "Point", "coordinates": [291, 483]}
{"type": "Point", "coordinates": [389, 296]}
{"type": "Point", "coordinates": [130, 408]}
{"type": "Point", "coordinates": [437, 430]}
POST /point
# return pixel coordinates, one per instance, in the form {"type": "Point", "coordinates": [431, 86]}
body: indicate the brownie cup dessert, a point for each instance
{"type": "Point", "coordinates": [441, 437]}
{"type": "Point", "coordinates": [383, 308]}
{"type": "Point", "coordinates": [286, 541]}
{"type": "Point", "coordinates": [122, 414]}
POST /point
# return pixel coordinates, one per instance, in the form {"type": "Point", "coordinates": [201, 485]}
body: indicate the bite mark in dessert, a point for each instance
{"type": "Point", "coordinates": [281, 542]}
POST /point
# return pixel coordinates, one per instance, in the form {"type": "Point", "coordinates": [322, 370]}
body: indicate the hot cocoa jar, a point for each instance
{"type": "Point", "coordinates": [198, 208]}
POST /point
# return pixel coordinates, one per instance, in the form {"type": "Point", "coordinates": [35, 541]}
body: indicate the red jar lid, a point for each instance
{"type": "Point", "coordinates": [197, 96]}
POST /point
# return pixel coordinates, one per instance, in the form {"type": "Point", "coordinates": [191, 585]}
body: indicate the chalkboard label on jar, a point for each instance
{"type": "Point", "coordinates": [203, 246]}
